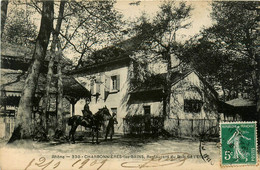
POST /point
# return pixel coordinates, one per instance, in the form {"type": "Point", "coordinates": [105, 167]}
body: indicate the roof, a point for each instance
{"type": "Point", "coordinates": [110, 55]}
{"type": "Point", "coordinates": [23, 53]}
{"type": "Point", "coordinates": [121, 50]}
{"type": "Point", "coordinates": [73, 88]}
{"type": "Point", "coordinates": [152, 83]}
{"type": "Point", "coordinates": [157, 82]}
{"type": "Point", "coordinates": [12, 82]}
{"type": "Point", "coordinates": [240, 102]}
{"type": "Point", "coordinates": [8, 49]}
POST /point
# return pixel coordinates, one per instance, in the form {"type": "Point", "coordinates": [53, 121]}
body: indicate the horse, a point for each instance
{"type": "Point", "coordinates": [94, 124]}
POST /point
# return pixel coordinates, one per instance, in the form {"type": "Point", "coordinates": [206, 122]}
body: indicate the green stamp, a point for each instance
{"type": "Point", "coordinates": [238, 143]}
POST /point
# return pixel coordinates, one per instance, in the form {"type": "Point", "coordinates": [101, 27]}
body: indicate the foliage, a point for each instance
{"type": "Point", "coordinates": [220, 68]}
{"type": "Point", "coordinates": [19, 28]}
{"type": "Point", "coordinates": [88, 26]}
{"type": "Point", "coordinates": [226, 52]}
{"type": "Point", "coordinates": [160, 34]}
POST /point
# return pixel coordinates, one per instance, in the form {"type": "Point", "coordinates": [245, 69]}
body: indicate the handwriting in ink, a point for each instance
{"type": "Point", "coordinates": [160, 160]}
{"type": "Point", "coordinates": [42, 163]}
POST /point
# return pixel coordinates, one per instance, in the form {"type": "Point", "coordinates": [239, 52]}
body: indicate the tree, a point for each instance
{"type": "Point", "coordinates": [4, 5]}
{"type": "Point", "coordinates": [46, 97]}
{"type": "Point", "coordinates": [95, 20]}
{"type": "Point", "coordinates": [88, 26]}
{"type": "Point", "coordinates": [19, 29]}
{"type": "Point", "coordinates": [236, 31]}
{"type": "Point", "coordinates": [231, 48]}
{"type": "Point", "coordinates": [159, 37]}
{"type": "Point", "coordinates": [23, 128]}
{"type": "Point", "coordinates": [223, 69]}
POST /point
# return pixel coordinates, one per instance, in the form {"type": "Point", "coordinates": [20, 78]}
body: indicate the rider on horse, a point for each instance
{"type": "Point", "coordinates": [87, 114]}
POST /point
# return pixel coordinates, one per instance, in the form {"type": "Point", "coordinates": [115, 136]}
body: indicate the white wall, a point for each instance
{"type": "Point", "coordinates": [191, 87]}
{"type": "Point", "coordinates": [138, 108]}
{"type": "Point", "coordinates": [114, 99]}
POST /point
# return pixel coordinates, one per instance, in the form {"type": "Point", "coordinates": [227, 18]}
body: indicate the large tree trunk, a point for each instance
{"type": "Point", "coordinates": [23, 124]}
{"type": "Point", "coordinates": [4, 5]}
{"type": "Point", "coordinates": [46, 98]}
{"type": "Point", "coordinates": [60, 129]}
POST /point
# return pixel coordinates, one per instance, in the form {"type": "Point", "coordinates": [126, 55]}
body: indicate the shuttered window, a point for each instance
{"type": "Point", "coordinates": [115, 82]}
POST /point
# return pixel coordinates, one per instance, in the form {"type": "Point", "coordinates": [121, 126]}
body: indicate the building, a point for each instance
{"type": "Point", "coordinates": [15, 61]}
{"type": "Point", "coordinates": [112, 81]}
{"type": "Point", "coordinates": [241, 110]}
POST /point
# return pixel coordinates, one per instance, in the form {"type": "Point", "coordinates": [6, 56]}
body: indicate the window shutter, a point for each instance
{"type": "Point", "coordinates": [92, 86]}
{"type": "Point", "coordinates": [118, 82]}
{"type": "Point", "coordinates": [107, 87]}
{"type": "Point", "coordinates": [98, 82]}
{"type": "Point", "coordinates": [98, 88]}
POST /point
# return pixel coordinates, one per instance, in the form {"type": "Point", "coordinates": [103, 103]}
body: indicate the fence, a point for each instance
{"type": "Point", "coordinates": [176, 127]}
{"type": "Point", "coordinates": [7, 126]}
{"type": "Point", "coordinates": [192, 127]}
{"type": "Point", "coordinates": [141, 124]}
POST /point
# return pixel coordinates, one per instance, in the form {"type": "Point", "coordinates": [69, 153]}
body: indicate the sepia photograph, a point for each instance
{"type": "Point", "coordinates": [129, 84]}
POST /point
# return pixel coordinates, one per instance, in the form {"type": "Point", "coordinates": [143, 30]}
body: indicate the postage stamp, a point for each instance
{"type": "Point", "coordinates": [238, 143]}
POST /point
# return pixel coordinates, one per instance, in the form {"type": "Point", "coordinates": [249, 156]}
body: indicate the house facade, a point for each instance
{"type": "Point", "coordinates": [109, 85]}
{"type": "Point", "coordinates": [193, 103]}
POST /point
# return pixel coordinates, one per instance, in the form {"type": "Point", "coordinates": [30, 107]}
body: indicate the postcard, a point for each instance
{"type": "Point", "coordinates": [129, 84]}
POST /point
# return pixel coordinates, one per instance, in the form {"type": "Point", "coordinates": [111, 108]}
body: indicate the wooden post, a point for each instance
{"type": "Point", "coordinates": [73, 109]}
{"type": "Point", "coordinates": [72, 101]}
{"type": "Point", "coordinates": [192, 127]}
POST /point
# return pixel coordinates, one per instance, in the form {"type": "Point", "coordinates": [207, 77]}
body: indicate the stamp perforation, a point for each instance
{"type": "Point", "coordinates": [256, 144]}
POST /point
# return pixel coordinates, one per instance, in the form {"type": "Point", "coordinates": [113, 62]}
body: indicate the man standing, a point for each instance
{"type": "Point", "coordinates": [110, 126]}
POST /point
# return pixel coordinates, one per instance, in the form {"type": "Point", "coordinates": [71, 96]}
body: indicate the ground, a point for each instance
{"type": "Point", "coordinates": [120, 152]}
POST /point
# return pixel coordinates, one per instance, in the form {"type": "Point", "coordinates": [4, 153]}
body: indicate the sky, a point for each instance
{"type": "Point", "coordinates": [200, 15]}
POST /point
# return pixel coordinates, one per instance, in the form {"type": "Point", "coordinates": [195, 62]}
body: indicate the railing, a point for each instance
{"type": "Point", "coordinates": [192, 127]}
{"type": "Point", "coordinates": [142, 124]}
{"type": "Point", "coordinates": [7, 126]}
{"type": "Point", "coordinates": [176, 127]}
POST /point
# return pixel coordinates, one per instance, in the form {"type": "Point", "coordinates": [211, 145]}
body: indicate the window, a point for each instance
{"type": "Point", "coordinates": [92, 87]}
{"type": "Point", "coordinates": [114, 110]}
{"type": "Point", "coordinates": [192, 105]}
{"type": "Point", "coordinates": [115, 82]}
{"type": "Point", "coordinates": [147, 110]}
{"type": "Point", "coordinates": [95, 85]}
{"type": "Point", "coordinates": [98, 82]}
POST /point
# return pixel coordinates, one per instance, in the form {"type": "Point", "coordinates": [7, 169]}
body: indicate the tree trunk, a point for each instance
{"type": "Point", "coordinates": [23, 124]}
{"type": "Point", "coordinates": [46, 98]}
{"type": "Point", "coordinates": [4, 5]}
{"type": "Point", "coordinates": [60, 117]}
{"type": "Point", "coordinates": [167, 88]}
